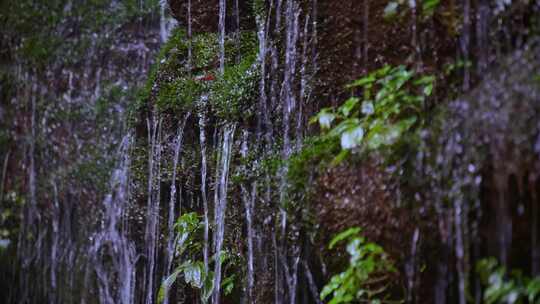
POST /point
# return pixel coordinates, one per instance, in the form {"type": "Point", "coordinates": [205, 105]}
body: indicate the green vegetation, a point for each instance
{"type": "Point", "coordinates": [399, 8]}
{"type": "Point", "coordinates": [392, 104]}
{"type": "Point", "coordinates": [188, 250]}
{"type": "Point", "coordinates": [502, 287]}
{"type": "Point", "coordinates": [365, 279]}
{"type": "Point", "coordinates": [37, 26]}
{"type": "Point", "coordinates": [233, 94]}
{"type": "Point", "coordinates": [180, 95]}
{"type": "Point", "coordinates": [180, 86]}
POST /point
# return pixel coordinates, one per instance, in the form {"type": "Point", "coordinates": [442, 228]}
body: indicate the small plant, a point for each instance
{"type": "Point", "coordinates": [392, 103]}
{"type": "Point", "coordinates": [188, 248]}
{"type": "Point", "coordinates": [365, 278]}
{"type": "Point", "coordinates": [506, 288]}
{"type": "Point", "coordinates": [400, 7]}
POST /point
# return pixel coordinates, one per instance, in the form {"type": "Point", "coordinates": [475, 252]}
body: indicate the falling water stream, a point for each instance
{"type": "Point", "coordinates": [152, 211]}
{"type": "Point", "coordinates": [172, 202]}
{"type": "Point", "coordinates": [220, 204]}
{"type": "Point", "coordinates": [112, 241]}
{"type": "Point", "coordinates": [202, 139]}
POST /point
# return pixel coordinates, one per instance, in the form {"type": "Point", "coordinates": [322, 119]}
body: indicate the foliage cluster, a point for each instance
{"type": "Point", "coordinates": [365, 279]}
{"type": "Point", "coordinates": [188, 248]}
{"type": "Point", "coordinates": [503, 287]}
{"type": "Point", "coordinates": [393, 101]}
{"type": "Point", "coordinates": [397, 8]}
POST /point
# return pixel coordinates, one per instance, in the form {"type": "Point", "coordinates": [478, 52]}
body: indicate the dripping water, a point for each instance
{"type": "Point", "coordinates": [465, 42]}
{"type": "Point", "coordinates": [172, 201]}
{"type": "Point", "coordinates": [262, 35]}
{"type": "Point", "coordinates": [111, 243]}
{"type": "Point", "coordinates": [221, 25]}
{"type": "Point", "coordinates": [152, 212]}
{"type": "Point", "coordinates": [202, 139]}
{"type": "Point", "coordinates": [249, 204]}
{"type": "Point", "coordinates": [221, 204]}
{"type": "Point", "coordinates": [190, 40]}
{"type": "Point", "coordinates": [167, 23]}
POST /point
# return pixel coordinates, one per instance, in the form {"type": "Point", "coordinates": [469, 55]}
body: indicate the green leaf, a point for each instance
{"type": "Point", "coordinates": [193, 274]}
{"type": "Point", "coordinates": [344, 126]}
{"type": "Point", "coordinates": [368, 108]}
{"type": "Point", "coordinates": [352, 137]}
{"type": "Point", "coordinates": [348, 106]}
{"type": "Point", "coordinates": [208, 287]}
{"type": "Point", "coordinates": [353, 231]}
{"type": "Point", "coordinates": [429, 6]}
{"type": "Point", "coordinates": [533, 289]}
{"type": "Point", "coordinates": [228, 284]}
{"type": "Point", "coordinates": [424, 80]}
{"type": "Point", "coordinates": [325, 118]}
{"type": "Point", "coordinates": [362, 81]}
{"type": "Point", "coordinates": [167, 284]}
{"type": "Point", "coordinates": [390, 10]}
{"type": "Point", "coordinates": [340, 157]}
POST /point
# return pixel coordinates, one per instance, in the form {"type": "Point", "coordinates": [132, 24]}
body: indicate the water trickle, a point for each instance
{"type": "Point", "coordinates": [482, 34]}
{"type": "Point", "coordinates": [288, 97]}
{"type": "Point", "coordinates": [167, 23]}
{"type": "Point", "coordinates": [311, 284]}
{"type": "Point", "coordinates": [221, 29]}
{"type": "Point", "coordinates": [202, 139]}
{"type": "Point", "coordinates": [249, 197]}
{"type": "Point", "coordinates": [289, 104]}
{"type": "Point", "coordinates": [460, 249]}
{"type": "Point", "coordinates": [111, 243]}
{"type": "Point", "coordinates": [221, 203]}
{"type": "Point", "coordinates": [190, 40]}
{"type": "Point", "coordinates": [153, 202]}
{"type": "Point", "coordinates": [172, 201]}
{"type": "Point", "coordinates": [465, 42]}
{"type": "Point", "coordinates": [264, 119]}
{"type": "Point", "coordinates": [55, 241]}
{"type": "Point", "coordinates": [411, 267]}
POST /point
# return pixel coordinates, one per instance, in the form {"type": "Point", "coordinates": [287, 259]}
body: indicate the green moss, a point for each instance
{"type": "Point", "coordinates": [258, 7]}
{"type": "Point", "coordinates": [315, 156]}
{"type": "Point", "coordinates": [39, 50]}
{"type": "Point", "coordinates": [205, 50]}
{"type": "Point", "coordinates": [179, 95]}
{"type": "Point", "coordinates": [233, 94]}
{"type": "Point", "coordinates": [230, 95]}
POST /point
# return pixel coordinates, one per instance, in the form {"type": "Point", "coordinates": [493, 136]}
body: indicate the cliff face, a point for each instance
{"type": "Point", "coordinates": [264, 129]}
{"type": "Point", "coordinates": [277, 197]}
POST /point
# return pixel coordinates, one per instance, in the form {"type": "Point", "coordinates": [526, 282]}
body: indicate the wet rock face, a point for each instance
{"type": "Point", "coordinates": [360, 195]}
{"type": "Point", "coordinates": [503, 132]}
{"type": "Point", "coordinates": [205, 14]}
{"type": "Point", "coordinates": [363, 195]}
{"type": "Point", "coordinates": [354, 38]}
{"type": "Point", "coordinates": [481, 171]}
